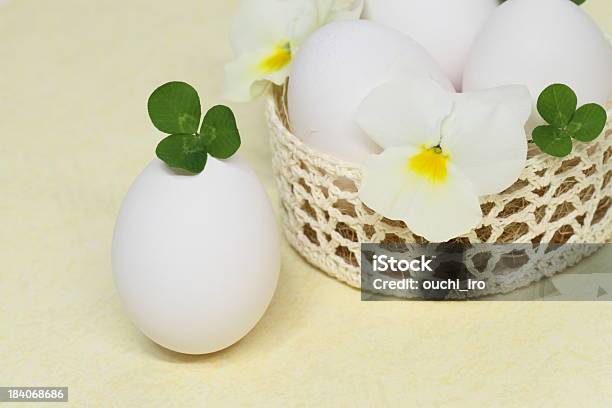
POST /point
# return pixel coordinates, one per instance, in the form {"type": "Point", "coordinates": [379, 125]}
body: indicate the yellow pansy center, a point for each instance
{"type": "Point", "coordinates": [278, 59]}
{"type": "Point", "coordinates": [430, 163]}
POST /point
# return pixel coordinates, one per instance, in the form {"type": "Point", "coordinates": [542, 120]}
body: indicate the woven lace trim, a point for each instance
{"type": "Point", "coordinates": [554, 201]}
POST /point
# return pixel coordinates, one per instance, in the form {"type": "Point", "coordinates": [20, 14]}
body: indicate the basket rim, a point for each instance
{"type": "Point", "coordinates": [276, 94]}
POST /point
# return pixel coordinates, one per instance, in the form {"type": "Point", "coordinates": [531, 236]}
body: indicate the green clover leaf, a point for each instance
{"type": "Point", "coordinates": [183, 152]}
{"type": "Point", "coordinates": [220, 132]}
{"type": "Point", "coordinates": [557, 105]}
{"type": "Point", "coordinates": [588, 122]}
{"type": "Point", "coordinates": [552, 141]}
{"type": "Point", "coordinates": [174, 108]}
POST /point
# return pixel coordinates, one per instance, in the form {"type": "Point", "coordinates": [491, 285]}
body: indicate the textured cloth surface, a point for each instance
{"type": "Point", "coordinates": [75, 77]}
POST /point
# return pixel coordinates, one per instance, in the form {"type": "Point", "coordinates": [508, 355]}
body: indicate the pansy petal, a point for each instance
{"type": "Point", "coordinates": [487, 141]}
{"type": "Point", "coordinates": [337, 10]}
{"type": "Point", "coordinates": [239, 78]}
{"type": "Point", "coordinates": [325, 11]}
{"type": "Point", "coordinates": [441, 212]}
{"type": "Point", "coordinates": [264, 23]}
{"type": "Point", "coordinates": [514, 97]}
{"type": "Point", "coordinates": [407, 111]}
{"type": "Point", "coordinates": [435, 211]}
{"type": "Point", "coordinates": [384, 186]}
{"type": "Point", "coordinates": [244, 81]}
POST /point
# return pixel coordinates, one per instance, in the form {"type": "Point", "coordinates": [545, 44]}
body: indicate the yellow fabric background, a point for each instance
{"type": "Point", "coordinates": [74, 133]}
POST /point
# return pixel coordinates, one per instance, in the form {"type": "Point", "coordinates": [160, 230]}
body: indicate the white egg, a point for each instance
{"type": "Point", "coordinates": [336, 68]}
{"type": "Point", "coordinates": [446, 28]}
{"type": "Point", "coordinates": [539, 43]}
{"type": "Point", "coordinates": [196, 258]}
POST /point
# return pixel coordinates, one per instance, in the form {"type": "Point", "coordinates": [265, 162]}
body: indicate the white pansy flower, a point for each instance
{"type": "Point", "coordinates": [442, 151]}
{"type": "Point", "coordinates": [267, 34]}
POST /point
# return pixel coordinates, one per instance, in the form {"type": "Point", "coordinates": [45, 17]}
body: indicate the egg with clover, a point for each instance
{"type": "Point", "coordinates": [181, 225]}
{"type": "Point", "coordinates": [539, 43]}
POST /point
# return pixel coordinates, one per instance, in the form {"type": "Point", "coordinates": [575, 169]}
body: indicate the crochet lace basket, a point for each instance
{"type": "Point", "coordinates": [554, 201]}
